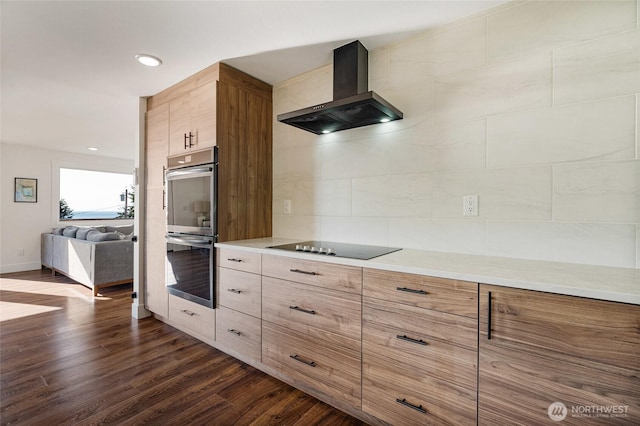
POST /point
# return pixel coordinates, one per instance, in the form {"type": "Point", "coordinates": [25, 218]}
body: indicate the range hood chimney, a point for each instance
{"type": "Point", "coordinates": [353, 105]}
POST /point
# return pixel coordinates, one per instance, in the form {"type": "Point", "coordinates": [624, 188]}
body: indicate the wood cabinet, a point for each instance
{"type": "Point", "coordinates": [330, 367]}
{"type": "Point", "coordinates": [239, 334]}
{"type": "Point", "coordinates": [225, 107]}
{"type": "Point", "coordinates": [319, 274]}
{"type": "Point", "coordinates": [539, 348]}
{"type": "Point", "coordinates": [192, 119]}
{"type": "Point", "coordinates": [192, 318]}
{"type": "Point", "coordinates": [301, 307]}
{"type": "Point", "coordinates": [419, 348]}
{"type": "Point", "coordinates": [218, 106]}
{"type": "Point", "coordinates": [156, 150]}
{"type": "Point", "coordinates": [311, 325]}
{"type": "Point", "coordinates": [238, 317]}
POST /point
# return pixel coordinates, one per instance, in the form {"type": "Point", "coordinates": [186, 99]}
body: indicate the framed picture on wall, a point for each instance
{"type": "Point", "coordinates": [26, 190]}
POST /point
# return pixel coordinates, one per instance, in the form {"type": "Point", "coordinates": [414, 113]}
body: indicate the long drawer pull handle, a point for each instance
{"type": "Point", "coordinates": [306, 311]}
{"type": "Point", "coordinates": [411, 290]}
{"type": "Point", "coordinates": [300, 271]}
{"type": "Point", "coordinates": [233, 259]}
{"type": "Point", "coordinates": [489, 317]}
{"type": "Point", "coordinates": [299, 359]}
{"type": "Point", "coordinates": [410, 405]}
{"type": "Point", "coordinates": [188, 312]}
{"type": "Point", "coordinates": [233, 290]}
{"type": "Point", "coordinates": [236, 332]}
{"type": "Point", "coordinates": [409, 339]}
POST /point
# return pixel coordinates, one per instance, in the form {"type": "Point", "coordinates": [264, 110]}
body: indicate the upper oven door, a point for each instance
{"type": "Point", "coordinates": [191, 200]}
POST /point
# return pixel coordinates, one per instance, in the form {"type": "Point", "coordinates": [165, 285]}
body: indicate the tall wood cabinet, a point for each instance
{"type": "Point", "coordinates": [218, 106]}
{"type": "Point", "coordinates": [537, 349]}
{"type": "Point", "coordinates": [156, 150]}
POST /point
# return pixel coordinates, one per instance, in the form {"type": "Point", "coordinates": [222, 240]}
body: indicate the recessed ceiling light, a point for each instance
{"type": "Point", "coordinates": [148, 60]}
{"type": "Point", "coordinates": [326, 131]}
{"type": "Point", "coordinates": [93, 149]}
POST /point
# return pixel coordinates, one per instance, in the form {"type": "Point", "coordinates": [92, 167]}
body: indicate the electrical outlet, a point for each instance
{"type": "Point", "coordinates": [287, 206]}
{"type": "Point", "coordinates": [470, 205]}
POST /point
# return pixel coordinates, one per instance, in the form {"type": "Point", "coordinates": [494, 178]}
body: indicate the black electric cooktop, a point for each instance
{"type": "Point", "coordinates": [328, 248]}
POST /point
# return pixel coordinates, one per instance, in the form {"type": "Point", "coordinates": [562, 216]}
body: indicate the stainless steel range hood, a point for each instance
{"type": "Point", "coordinates": [353, 105]}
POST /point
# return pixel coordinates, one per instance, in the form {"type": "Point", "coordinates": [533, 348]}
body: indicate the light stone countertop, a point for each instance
{"type": "Point", "coordinates": [596, 282]}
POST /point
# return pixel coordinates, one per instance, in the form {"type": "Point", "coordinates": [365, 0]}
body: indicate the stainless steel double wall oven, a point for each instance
{"type": "Point", "coordinates": [191, 225]}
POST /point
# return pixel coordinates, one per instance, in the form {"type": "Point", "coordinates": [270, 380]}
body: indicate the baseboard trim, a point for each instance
{"type": "Point", "coordinates": [20, 267]}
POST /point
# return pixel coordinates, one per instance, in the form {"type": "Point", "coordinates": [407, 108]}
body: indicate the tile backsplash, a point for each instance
{"type": "Point", "coordinates": [532, 106]}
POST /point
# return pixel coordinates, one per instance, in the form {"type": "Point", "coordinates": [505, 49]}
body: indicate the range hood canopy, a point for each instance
{"type": "Point", "coordinates": [353, 105]}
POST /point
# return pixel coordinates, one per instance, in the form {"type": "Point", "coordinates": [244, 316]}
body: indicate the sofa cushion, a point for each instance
{"type": "Point", "coordinates": [124, 236]}
{"type": "Point", "coordinates": [70, 231]}
{"type": "Point", "coordinates": [98, 236]}
{"type": "Point", "coordinates": [57, 231]}
{"type": "Point", "coordinates": [82, 232]}
{"type": "Point", "coordinates": [124, 229]}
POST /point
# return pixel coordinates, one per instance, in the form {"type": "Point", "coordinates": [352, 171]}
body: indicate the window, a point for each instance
{"type": "Point", "coordinates": [88, 194]}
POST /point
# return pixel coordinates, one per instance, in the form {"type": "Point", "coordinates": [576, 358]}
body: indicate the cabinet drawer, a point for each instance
{"type": "Point", "coordinates": [440, 294]}
{"type": "Point", "coordinates": [330, 368]}
{"type": "Point", "coordinates": [399, 396]}
{"type": "Point", "coordinates": [240, 291]}
{"type": "Point", "coordinates": [192, 318]}
{"type": "Point", "coordinates": [299, 306]}
{"type": "Point", "coordinates": [429, 342]}
{"type": "Point", "coordinates": [240, 333]}
{"type": "Point", "coordinates": [321, 274]}
{"type": "Point", "coordinates": [238, 259]}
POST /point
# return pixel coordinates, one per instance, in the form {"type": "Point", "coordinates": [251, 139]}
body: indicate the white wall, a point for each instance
{"type": "Point", "coordinates": [533, 107]}
{"type": "Point", "coordinates": [22, 223]}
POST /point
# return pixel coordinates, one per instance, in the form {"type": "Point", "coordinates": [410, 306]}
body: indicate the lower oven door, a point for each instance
{"type": "Point", "coordinates": [190, 268]}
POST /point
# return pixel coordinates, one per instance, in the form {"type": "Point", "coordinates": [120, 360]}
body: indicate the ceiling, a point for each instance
{"type": "Point", "coordinates": [69, 80]}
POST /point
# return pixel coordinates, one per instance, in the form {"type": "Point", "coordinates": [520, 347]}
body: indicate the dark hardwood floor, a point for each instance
{"type": "Point", "coordinates": [68, 359]}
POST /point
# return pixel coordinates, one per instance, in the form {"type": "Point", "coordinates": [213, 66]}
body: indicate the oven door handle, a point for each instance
{"type": "Point", "coordinates": [195, 242]}
{"type": "Point", "coordinates": [191, 172]}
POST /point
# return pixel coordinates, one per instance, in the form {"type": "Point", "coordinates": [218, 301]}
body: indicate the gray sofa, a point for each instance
{"type": "Point", "coordinates": [93, 256]}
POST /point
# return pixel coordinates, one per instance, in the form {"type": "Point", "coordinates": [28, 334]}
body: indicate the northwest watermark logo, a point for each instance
{"type": "Point", "coordinates": [557, 411]}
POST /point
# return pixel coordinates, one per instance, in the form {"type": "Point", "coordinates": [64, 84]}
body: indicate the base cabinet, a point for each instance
{"type": "Point", "coordinates": [239, 334]}
{"type": "Point", "coordinates": [239, 313]}
{"type": "Point", "coordinates": [419, 349]}
{"type": "Point", "coordinates": [332, 368]}
{"type": "Point", "coordinates": [403, 349]}
{"type": "Point", "coordinates": [196, 320]}
{"type": "Point", "coordinates": [311, 325]}
{"type": "Point", "coordinates": [550, 357]}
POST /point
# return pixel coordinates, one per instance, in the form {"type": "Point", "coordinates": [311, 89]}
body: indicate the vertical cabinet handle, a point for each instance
{"type": "Point", "coordinates": [406, 403]}
{"type": "Point", "coordinates": [489, 316]}
{"type": "Point", "coordinates": [190, 137]}
{"type": "Point", "coordinates": [164, 198]}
